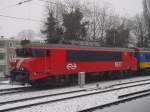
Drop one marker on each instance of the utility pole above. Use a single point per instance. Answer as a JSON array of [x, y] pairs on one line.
[[114, 38], [81, 79]]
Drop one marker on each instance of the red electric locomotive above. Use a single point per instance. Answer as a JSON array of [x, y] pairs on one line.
[[47, 63]]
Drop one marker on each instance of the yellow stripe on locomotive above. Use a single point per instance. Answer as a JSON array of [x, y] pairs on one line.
[[144, 65]]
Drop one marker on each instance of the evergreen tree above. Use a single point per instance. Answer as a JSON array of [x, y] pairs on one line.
[[25, 42], [117, 37], [75, 30], [53, 31], [111, 36], [146, 13]]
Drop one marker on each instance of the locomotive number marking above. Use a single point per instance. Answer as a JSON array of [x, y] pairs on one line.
[[118, 64], [71, 66]]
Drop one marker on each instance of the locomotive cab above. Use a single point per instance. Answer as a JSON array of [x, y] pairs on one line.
[[29, 63]]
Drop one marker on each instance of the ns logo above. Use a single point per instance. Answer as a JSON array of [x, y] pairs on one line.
[[71, 66]]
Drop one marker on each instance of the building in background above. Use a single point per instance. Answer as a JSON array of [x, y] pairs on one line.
[[37, 41], [7, 53]]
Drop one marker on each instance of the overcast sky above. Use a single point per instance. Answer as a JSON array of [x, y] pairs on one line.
[[36, 8]]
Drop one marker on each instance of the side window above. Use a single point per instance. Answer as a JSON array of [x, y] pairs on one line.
[[2, 68], [77, 56], [40, 52], [2, 56], [2, 44], [11, 44]]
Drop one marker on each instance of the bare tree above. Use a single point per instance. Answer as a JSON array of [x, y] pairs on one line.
[[26, 34], [97, 18], [146, 12], [100, 17], [100, 21], [139, 29]]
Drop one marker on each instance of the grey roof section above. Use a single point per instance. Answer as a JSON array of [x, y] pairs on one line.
[[143, 49], [75, 46]]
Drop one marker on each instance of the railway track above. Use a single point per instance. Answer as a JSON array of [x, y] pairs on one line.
[[38, 97], [10, 89], [15, 90], [123, 84], [58, 97], [30, 89], [122, 99]]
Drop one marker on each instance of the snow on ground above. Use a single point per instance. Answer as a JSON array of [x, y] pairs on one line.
[[46, 99], [73, 105], [5, 82], [82, 103], [102, 85], [36, 93], [107, 84], [77, 104], [5, 86]]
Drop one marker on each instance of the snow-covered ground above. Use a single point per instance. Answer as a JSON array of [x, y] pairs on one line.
[[137, 105], [78, 104], [74, 104], [102, 86], [5, 82], [6, 85]]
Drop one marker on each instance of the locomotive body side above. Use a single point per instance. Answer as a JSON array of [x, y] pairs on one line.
[[52, 63], [72, 61]]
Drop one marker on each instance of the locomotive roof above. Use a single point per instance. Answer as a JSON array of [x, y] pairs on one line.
[[143, 49], [75, 46]]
